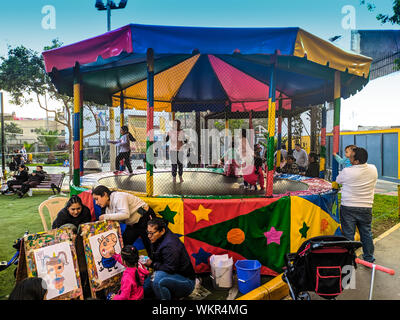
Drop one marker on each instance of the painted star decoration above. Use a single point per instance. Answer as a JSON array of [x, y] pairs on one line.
[[304, 230], [168, 214], [201, 256], [201, 213], [273, 236]]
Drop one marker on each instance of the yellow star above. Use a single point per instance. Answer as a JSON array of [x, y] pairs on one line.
[[201, 213]]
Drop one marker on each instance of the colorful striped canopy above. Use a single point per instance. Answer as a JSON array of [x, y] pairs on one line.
[[199, 69]]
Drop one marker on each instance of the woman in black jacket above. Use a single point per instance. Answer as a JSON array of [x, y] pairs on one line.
[[75, 212]]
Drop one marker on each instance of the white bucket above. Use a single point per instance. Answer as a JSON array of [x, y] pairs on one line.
[[221, 271]]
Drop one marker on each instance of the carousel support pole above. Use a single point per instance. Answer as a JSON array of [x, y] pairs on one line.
[[336, 124], [150, 123], [122, 110], [289, 134], [81, 132], [279, 146], [198, 130], [112, 137], [76, 123], [271, 134], [322, 153]]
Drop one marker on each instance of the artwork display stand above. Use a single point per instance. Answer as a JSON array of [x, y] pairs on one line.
[[94, 229], [46, 243]]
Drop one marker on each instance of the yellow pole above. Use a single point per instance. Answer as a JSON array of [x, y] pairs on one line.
[[112, 137]]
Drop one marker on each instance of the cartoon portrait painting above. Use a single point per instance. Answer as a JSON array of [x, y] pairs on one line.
[[104, 246], [55, 265]]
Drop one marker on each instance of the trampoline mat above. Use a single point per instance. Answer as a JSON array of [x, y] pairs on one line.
[[196, 184]]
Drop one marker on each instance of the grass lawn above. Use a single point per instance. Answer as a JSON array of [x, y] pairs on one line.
[[19, 215], [16, 217]]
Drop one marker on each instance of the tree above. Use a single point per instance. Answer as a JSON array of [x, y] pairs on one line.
[[22, 74], [48, 137], [12, 129]]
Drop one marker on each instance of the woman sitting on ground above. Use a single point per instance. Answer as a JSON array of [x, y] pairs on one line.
[[75, 212]]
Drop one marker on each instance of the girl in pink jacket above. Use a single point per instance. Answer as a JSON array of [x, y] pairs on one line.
[[133, 278]]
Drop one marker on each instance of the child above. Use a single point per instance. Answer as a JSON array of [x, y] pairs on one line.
[[133, 278], [256, 175], [124, 149], [33, 288], [345, 162]]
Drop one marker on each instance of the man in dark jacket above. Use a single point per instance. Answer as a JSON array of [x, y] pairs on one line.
[[19, 179], [36, 177], [173, 276]]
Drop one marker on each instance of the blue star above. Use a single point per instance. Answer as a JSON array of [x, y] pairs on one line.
[[201, 256]]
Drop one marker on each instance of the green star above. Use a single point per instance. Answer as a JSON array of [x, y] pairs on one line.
[[304, 230], [168, 214]]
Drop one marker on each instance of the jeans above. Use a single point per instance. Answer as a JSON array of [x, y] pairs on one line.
[[352, 217], [166, 286], [127, 160], [176, 163]]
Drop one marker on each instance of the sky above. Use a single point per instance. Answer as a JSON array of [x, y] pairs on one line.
[[26, 21]]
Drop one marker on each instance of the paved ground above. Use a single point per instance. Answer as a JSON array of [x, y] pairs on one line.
[[386, 287], [386, 187]]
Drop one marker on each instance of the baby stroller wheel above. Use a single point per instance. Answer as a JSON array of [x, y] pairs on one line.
[[303, 296]]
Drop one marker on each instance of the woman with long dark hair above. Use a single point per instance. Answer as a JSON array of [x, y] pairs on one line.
[[74, 212], [124, 152], [128, 209]]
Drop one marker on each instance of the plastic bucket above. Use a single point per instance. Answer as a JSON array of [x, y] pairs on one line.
[[248, 274], [221, 275]]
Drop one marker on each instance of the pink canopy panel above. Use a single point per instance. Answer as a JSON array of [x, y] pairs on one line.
[[239, 86]]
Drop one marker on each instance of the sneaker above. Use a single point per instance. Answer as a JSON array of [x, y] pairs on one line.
[[30, 192]]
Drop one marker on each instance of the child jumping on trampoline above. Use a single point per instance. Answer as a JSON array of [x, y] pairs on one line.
[[124, 148]]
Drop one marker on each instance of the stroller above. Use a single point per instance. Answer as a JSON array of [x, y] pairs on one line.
[[318, 266]]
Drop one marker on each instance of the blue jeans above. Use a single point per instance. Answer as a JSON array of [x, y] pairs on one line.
[[166, 286], [350, 217]]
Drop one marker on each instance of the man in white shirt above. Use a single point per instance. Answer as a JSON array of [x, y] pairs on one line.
[[358, 185], [301, 157]]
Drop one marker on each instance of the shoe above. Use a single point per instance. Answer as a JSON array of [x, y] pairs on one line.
[[20, 194], [180, 179], [116, 172], [30, 192]]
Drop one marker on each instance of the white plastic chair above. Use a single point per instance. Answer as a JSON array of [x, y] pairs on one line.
[[53, 205]]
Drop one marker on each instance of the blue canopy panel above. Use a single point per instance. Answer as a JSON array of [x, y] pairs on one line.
[[179, 40], [201, 90]]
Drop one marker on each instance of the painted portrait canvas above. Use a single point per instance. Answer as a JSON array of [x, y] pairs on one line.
[[104, 245], [56, 267]]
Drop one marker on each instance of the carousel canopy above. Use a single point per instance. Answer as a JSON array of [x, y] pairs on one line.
[[199, 69]]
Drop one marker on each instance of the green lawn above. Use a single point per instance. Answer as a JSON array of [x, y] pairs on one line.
[[16, 217], [19, 215]]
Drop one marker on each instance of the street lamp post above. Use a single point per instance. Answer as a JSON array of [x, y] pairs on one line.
[[110, 5]]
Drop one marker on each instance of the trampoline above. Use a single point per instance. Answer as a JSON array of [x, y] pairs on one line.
[[197, 183]]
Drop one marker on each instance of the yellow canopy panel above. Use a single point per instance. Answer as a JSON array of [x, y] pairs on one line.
[[166, 85], [322, 52]]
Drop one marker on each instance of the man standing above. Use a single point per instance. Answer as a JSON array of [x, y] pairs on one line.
[[358, 184], [301, 157]]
